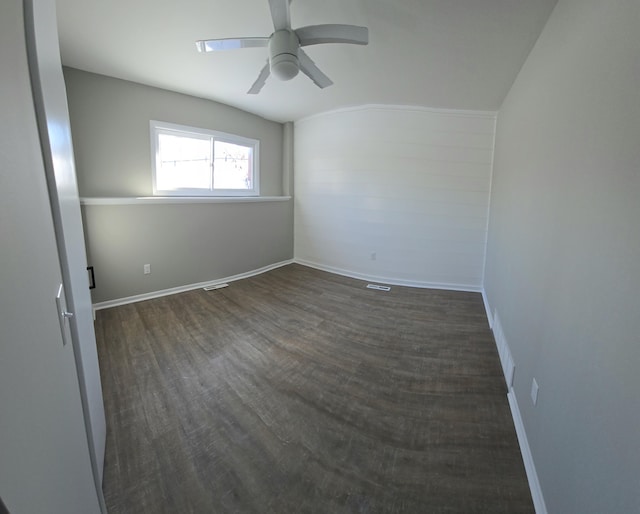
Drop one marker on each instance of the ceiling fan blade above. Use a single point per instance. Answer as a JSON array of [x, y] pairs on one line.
[[260, 81], [333, 33], [214, 45], [310, 69], [280, 14]]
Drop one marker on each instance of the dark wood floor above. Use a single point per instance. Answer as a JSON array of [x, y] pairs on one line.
[[298, 391]]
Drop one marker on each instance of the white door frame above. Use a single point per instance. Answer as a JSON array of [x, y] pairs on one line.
[[52, 114]]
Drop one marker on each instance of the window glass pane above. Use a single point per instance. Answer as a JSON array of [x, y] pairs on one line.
[[191, 161], [232, 166], [184, 163]]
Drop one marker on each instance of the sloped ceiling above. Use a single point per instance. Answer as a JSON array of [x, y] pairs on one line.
[[455, 54]]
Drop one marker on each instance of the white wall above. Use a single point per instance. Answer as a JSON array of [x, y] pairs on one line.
[[563, 260], [408, 184]]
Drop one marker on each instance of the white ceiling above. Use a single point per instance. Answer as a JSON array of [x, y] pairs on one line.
[[455, 54]]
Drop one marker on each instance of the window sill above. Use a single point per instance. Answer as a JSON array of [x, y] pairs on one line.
[[155, 200]]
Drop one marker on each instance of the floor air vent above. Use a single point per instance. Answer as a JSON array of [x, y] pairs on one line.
[[378, 287], [217, 286]]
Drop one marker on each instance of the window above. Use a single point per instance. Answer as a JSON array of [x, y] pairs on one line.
[[188, 161]]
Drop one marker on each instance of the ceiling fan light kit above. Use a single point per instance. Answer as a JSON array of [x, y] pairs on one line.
[[283, 54], [286, 57]]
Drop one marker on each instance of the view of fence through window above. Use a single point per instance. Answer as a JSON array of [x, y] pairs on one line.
[[186, 163], [231, 166]]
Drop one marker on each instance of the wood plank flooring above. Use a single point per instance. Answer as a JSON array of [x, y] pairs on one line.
[[299, 391]]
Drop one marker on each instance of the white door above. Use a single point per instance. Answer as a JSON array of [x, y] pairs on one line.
[[45, 464], [55, 133]]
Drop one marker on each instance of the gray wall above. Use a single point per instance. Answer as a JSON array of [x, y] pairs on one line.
[[563, 260], [184, 243], [44, 455], [110, 123]]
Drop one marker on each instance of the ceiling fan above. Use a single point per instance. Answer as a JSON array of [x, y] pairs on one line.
[[286, 56]]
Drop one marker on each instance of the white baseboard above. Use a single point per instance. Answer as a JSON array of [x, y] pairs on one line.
[[487, 308], [188, 287], [525, 450], [388, 280], [504, 352], [508, 368]]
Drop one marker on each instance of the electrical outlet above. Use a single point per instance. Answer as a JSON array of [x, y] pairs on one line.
[[147, 269], [534, 391]]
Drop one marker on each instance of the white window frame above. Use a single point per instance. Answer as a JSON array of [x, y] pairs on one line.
[[160, 127]]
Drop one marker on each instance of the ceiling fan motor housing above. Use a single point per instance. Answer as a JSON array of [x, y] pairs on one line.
[[283, 54]]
